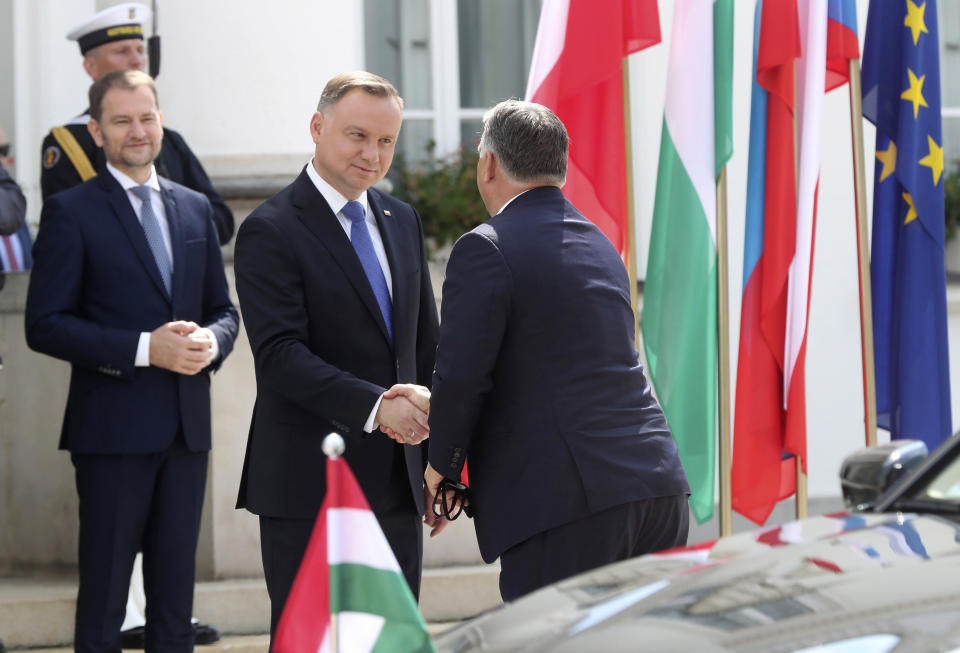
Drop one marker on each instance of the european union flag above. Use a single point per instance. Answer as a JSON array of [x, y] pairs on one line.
[[901, 96]]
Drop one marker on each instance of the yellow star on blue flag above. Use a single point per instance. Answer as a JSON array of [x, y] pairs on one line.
[[901, 96]]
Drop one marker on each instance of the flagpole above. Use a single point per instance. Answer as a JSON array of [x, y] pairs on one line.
[[631, 227], [800, 493], [333, 446], [723, 360], [334, 635], [863, 244]]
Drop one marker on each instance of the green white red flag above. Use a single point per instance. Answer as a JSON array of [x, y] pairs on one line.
[[680, 293], [349, 594]]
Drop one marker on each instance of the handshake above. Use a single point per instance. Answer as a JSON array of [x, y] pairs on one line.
[[403, 413]]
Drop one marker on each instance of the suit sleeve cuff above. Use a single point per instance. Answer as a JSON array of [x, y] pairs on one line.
[[143, 351]]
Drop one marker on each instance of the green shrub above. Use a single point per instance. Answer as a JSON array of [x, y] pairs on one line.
[[444, 192]]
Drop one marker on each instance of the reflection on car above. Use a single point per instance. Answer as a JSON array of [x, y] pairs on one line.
[[881, 576]]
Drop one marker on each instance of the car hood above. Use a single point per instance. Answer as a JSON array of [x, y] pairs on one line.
[[837, 583]]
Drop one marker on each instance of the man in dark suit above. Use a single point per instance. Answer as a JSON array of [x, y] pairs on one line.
[[112, 40], [13, 211], [128, 286], [14, 235], [337, 301], [537, 381], [13, 205]]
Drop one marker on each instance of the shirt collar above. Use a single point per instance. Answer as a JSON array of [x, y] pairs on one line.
[[127, 183], [502, 208], [331, 194]]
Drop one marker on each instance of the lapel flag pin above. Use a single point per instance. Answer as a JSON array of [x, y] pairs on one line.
[[386, 212]]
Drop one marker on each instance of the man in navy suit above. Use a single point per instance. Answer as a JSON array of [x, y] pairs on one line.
[[128, 286], [14, 234], [336, 297], [537, 380]]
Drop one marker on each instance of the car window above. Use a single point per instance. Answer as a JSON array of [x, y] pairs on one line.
[[945, 486]]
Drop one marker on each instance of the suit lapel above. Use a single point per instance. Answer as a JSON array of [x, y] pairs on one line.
[[123, 210], [317, 216], [397, 259], [175, 222]]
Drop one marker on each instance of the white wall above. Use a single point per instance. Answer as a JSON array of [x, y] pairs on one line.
[[49, 85], [241, 78]]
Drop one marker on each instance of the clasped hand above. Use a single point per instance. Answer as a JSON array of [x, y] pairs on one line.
[[403, 413], [182, 347]]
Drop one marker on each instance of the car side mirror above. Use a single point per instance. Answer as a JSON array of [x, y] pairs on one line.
[[866, 474]]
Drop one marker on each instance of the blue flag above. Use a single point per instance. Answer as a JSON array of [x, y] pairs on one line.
[[901, 96]]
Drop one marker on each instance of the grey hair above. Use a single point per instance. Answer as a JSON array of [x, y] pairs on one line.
[[343, 83], [528, 139]]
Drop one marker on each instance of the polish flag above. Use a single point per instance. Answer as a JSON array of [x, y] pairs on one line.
[[577, 71]]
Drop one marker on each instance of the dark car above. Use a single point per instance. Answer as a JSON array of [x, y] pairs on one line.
[[884, 576]]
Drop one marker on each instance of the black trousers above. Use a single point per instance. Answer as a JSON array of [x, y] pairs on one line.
[[618, 533], [128, 503], [284, 541]]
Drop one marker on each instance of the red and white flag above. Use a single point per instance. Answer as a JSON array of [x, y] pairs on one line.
[[577, 71]]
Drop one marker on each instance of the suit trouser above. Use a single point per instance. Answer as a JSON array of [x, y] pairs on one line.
[[284, 541], [624, 531], [148, 502]]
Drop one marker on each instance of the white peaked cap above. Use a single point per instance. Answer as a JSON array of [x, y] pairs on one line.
[[123, 21]]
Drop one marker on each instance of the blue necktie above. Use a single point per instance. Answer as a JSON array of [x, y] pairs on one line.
[[151, 228], [360, 237]]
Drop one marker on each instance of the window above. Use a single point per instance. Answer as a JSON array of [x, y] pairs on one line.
[[949, 26], [450, 61]]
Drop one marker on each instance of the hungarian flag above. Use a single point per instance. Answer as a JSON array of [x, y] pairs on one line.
[[577, 71], [349, 594], [680, 293], [800, 46]]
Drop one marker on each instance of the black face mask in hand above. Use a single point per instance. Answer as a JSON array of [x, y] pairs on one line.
[[452, 498]]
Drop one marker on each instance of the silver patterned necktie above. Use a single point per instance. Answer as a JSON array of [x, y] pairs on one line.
[[151, 228]]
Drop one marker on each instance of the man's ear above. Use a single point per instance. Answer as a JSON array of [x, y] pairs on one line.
[[94, 128], [90, 65], [492, 170], [316, 126]]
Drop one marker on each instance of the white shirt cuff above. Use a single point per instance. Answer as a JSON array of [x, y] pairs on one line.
[[371, 422], [143, 351], [214, 345]]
